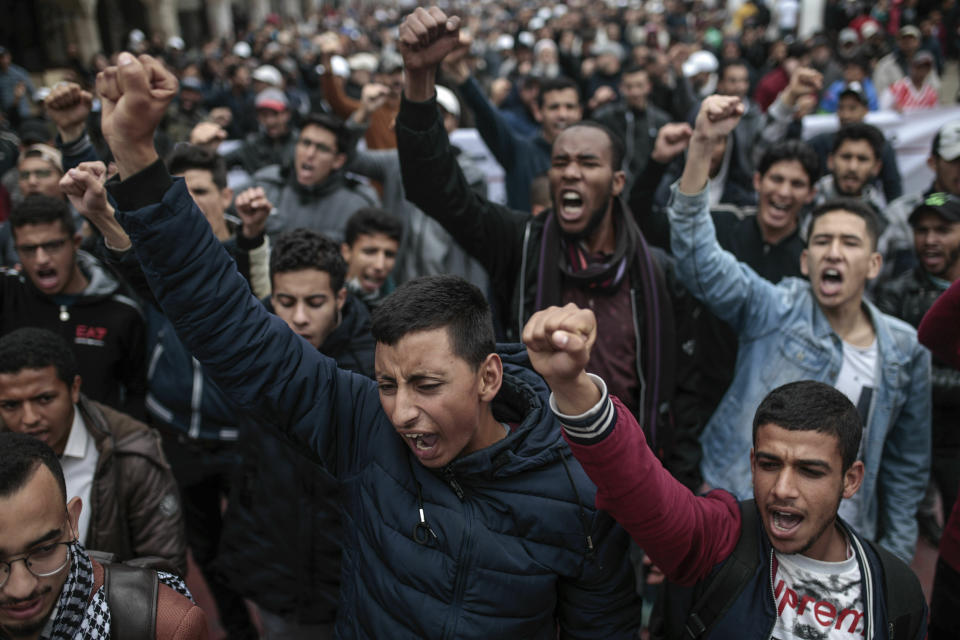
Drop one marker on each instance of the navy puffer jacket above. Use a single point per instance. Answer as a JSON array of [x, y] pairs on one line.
[[519, 549]]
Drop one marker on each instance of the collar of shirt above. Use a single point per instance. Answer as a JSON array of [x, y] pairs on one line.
[[79, 440]]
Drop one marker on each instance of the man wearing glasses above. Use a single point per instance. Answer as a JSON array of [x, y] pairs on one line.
[[311, 191], [69, 292], [49, 585]]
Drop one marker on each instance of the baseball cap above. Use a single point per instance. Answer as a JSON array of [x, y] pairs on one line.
[[869, 28], [849, 36], [946, 143], [271, 99], [448, 101], [909, 30], [921, 57], [242, 49], [267, 74], [855, 89], [945, 205], [700, 62]]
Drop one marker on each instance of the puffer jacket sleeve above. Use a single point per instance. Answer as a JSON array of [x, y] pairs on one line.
[[252, 355]]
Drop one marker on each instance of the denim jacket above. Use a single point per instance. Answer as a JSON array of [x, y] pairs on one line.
[[785, 337]]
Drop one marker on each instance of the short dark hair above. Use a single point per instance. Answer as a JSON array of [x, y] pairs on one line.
[[185, 157], [334, 125], [370, 220], [35, 348], [634, 68], [40, 209], [436, 302], [617, 150], [301, 249], [808, 405], [791, 150], [859, 60], [860, 131], [20, 456], [560, 83], [729, 64], [850, 205]]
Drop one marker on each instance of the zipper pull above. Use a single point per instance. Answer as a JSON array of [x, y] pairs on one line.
[[64, 314], [452, 481]]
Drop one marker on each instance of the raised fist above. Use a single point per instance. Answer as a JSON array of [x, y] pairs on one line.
[[253, 208], [804, 81], [134, 94], [68, 106], [83, 185], [208, 135], [558, 341], [672, 139], [426, 36], [718, 116], [373, 95]]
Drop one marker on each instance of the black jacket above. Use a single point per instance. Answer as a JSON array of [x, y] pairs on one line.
[[908, 297], [282, 535], [104, 325], [508, 244]]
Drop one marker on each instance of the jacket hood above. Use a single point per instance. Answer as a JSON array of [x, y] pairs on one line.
[[534, 441]]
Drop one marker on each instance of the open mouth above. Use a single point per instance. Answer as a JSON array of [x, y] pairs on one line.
[[47, 278], [785, 522], [830, 281], [423, 444], [571, 205], [24, 610]]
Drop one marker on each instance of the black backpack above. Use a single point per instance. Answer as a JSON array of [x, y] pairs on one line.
[[690, 613]]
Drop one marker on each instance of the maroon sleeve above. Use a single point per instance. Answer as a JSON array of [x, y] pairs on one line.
[[940, 329], [684, 535]]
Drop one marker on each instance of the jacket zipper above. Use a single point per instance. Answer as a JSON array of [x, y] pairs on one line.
[[466, 549], [773, 596]]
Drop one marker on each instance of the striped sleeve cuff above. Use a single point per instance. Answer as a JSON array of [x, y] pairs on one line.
[[593, 425]]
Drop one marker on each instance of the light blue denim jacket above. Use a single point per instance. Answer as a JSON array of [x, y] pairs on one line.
[[784, 337]]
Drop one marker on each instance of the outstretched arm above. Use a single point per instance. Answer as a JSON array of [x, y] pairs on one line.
[[685, 535], [252, 355]]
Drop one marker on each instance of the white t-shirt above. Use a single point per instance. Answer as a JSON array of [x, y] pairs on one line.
[[79, 462], [817, 599], [857, 381]]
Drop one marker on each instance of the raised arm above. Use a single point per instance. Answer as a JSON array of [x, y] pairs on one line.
[[685, 535], [252, 355], [432, 178], [68, 106], [732, 290]]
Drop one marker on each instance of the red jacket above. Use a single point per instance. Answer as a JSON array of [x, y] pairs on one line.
[[685, 535]]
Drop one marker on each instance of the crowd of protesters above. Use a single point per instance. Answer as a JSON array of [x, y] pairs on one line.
[[714, 307]]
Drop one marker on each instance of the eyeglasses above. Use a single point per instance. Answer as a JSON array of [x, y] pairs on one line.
[[42, 562], [41, 174], [319, 146], [53, 246]]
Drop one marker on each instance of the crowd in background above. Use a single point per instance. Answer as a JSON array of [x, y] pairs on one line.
[[287, 137]]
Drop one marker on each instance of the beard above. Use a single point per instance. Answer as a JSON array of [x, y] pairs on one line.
[[31, 627], [952, 257]]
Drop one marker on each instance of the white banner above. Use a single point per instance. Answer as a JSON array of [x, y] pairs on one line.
[[911, 135]]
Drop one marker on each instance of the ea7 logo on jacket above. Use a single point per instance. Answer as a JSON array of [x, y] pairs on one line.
[[91, 336]]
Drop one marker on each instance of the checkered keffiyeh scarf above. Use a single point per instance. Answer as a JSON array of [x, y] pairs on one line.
[[80, 619]]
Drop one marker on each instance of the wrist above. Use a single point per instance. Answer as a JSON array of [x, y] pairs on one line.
[[420, 85], [575, 396], [252, 231], [71, 133], [133, 159]]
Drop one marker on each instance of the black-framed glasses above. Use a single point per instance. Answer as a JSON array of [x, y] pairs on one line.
[[53, 246], [42, 562]]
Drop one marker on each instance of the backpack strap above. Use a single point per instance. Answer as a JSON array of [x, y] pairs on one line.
[[717, 593], [132, 597], [906, 604]]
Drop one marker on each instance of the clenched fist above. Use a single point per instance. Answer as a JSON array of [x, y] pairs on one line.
[[68, 107], [134, 94], [559, 340]]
